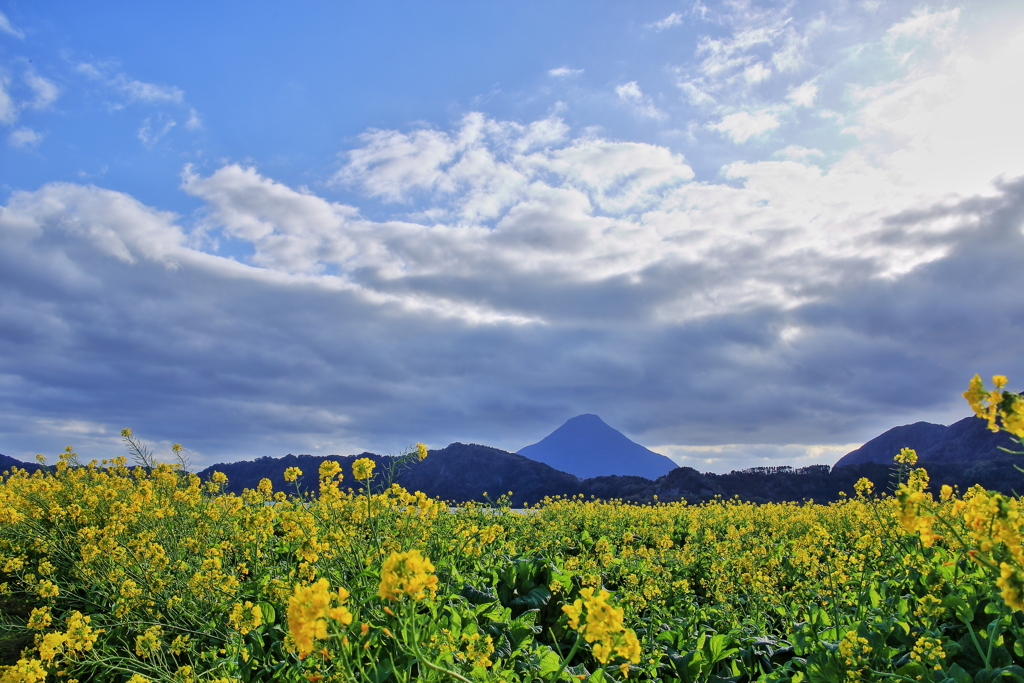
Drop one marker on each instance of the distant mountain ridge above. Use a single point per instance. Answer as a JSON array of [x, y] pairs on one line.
[[7, 462], [962, 454], [966, 441], [587, 447]]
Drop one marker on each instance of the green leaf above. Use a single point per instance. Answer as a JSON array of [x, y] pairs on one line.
[[960, 608], [549, 662], [824, 669], [536, 598], [957, 673], [268, 612], [578, 672], [477, 596], [718, 648]]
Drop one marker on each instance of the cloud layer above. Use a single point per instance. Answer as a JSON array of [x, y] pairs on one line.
[[847, 268]]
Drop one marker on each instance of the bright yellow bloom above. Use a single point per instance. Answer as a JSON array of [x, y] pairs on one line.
[[245, 618], [148, 644], [421, 451], [329, 468], [40, 618], [906, 456], [292, 473], [407, 574], [929, 652], [25, 671], [363, 468], [1011, 581], [479, 650], [864, 487], [309, 607], [80, 636], [601, 625]]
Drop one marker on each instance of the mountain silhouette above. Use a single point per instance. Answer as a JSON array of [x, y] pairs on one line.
[[966, 441], [587, 447]]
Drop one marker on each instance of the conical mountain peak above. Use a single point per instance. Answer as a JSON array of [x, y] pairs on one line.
[[588, 447]]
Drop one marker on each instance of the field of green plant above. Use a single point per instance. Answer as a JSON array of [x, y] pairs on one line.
[[111, 573]]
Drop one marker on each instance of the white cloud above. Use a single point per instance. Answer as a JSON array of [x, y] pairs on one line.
[[194, 122], [674, 19], [723, 458], [564, 71], [803, 95], [150, 93], [135, 91], [642, 104], [46, 91], [757, 73], [926, 25], [951, 122], [8, 110], [798, 153], [743, 125], [8, 28], [152, 130], [24, 138]]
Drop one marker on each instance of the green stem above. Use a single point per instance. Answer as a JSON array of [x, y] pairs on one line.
[[983, 653], [568, 658]]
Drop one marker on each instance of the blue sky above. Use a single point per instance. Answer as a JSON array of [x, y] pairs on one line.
[[742, 233]]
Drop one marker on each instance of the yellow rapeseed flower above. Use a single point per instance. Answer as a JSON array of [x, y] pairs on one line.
[[363, 468], [407, 574], [601, 625], [309, 607], [292, 473], [245, 617], [329, 468]]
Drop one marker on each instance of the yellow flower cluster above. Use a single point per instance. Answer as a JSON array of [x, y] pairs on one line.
[[25, 671], [149, 642], [363, 468], [928, 651], [478, 649], [408, 574], [855, 653], [601, 625], [915, 504], [997, 405], [309, 607], [245, 617], [292, 473]]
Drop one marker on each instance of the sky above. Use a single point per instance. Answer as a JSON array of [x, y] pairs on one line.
[[743, 233]]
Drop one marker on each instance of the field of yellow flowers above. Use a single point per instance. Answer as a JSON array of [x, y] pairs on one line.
[[145, 573]]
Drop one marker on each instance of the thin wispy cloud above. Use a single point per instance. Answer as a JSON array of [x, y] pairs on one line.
[[134, 91], [674, 19], [643, 105], [564, 72], [8, 109], [8, 28], [46, 91], [741, 126], [24, 138]]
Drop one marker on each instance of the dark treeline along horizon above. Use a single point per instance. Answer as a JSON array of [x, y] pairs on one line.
[[961, 455]]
